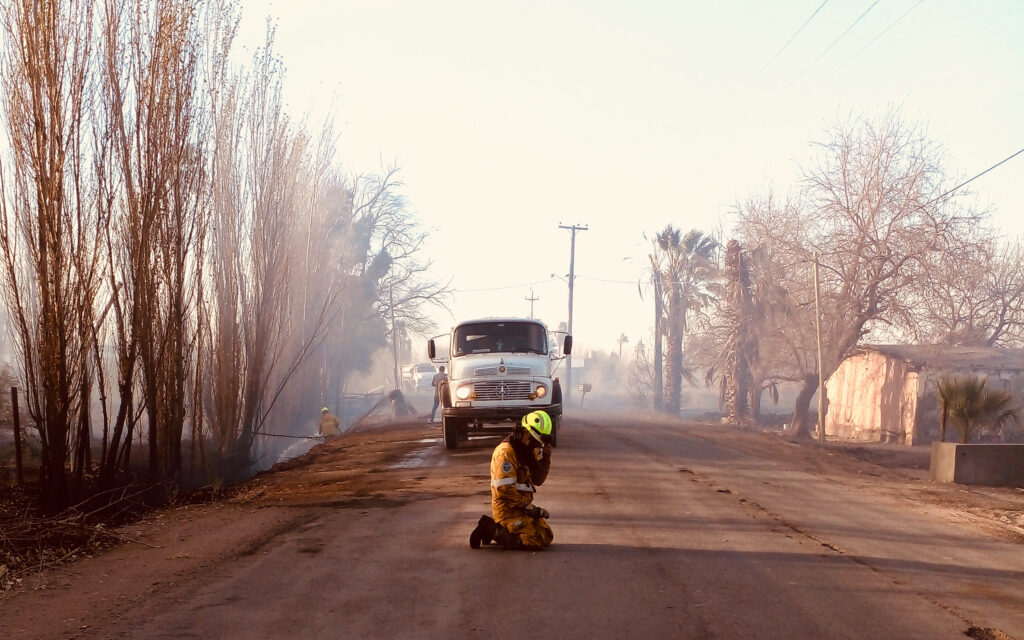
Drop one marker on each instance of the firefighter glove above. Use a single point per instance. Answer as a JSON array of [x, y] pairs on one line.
[[534, 511]]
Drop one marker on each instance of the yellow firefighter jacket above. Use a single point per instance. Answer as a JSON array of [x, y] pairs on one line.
[[513, 481], [329, 425]]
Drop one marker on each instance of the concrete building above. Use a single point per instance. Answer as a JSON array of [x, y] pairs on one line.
[[887, 393]]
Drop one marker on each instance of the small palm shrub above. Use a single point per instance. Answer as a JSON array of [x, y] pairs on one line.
[[970, 405]]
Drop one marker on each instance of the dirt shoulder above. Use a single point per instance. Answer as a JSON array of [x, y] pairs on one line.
[[178, 545]]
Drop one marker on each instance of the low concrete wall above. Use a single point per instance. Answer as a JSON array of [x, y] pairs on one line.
[[992, 465]]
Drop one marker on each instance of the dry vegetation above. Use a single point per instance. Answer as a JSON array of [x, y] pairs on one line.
[[175, 248], [903, 257]]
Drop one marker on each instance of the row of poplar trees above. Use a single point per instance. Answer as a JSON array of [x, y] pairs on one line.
[[173, 246]]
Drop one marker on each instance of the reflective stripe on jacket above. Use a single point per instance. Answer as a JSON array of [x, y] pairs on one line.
[[512, 482]]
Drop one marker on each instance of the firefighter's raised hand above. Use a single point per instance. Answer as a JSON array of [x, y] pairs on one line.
[[545, 452]]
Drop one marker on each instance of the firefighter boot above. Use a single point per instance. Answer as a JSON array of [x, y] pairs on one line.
[[505, 538], [483, 533]]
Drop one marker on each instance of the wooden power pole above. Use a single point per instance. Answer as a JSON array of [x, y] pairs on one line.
[[572, 276], [532, 299], [821, 370]]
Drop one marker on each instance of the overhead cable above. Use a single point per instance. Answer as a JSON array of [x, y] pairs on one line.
[[836, 41], [509, 286], [967, 182], [873, 40], [795, 34]]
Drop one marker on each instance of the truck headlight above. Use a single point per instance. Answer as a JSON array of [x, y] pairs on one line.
[[462, 393], [541, 391]]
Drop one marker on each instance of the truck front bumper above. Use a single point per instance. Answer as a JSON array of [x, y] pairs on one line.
[[499, 414]]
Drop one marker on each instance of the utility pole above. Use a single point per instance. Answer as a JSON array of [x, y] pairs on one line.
[[572, 276], [821, 372], [532, 300], [394, 334]]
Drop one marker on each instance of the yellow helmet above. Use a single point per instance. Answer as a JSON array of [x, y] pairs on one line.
[[324, 410], [538, 425]]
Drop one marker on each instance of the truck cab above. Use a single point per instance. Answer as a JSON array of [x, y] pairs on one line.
[[499, 370]]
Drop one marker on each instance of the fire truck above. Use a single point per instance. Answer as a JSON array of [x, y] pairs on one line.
[[499, 370]]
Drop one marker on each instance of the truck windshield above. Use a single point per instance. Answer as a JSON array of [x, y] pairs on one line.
[[492, 337]]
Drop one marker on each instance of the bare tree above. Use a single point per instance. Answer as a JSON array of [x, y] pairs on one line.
[[155, 209], [47, 233], [396, 243], [275, 285], [641, 375], [870, 208], [256, 171], [969, 293]]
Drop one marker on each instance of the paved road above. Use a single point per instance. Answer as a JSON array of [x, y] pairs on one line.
[[661, 531]]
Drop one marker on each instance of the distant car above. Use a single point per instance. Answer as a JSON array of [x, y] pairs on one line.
[[422, 376]]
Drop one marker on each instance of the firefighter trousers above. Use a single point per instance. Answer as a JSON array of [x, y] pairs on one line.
[[530, 533]]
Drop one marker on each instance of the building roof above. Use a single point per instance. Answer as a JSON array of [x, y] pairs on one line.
[[947, 357]]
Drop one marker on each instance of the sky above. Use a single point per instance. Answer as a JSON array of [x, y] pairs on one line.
[[509, 119]]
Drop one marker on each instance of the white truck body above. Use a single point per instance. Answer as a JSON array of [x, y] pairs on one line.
[[499, 369]]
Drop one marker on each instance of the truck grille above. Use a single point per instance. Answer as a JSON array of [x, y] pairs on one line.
[[493, 371], [511, 390]]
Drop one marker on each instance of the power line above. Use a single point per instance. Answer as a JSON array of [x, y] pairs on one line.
[[967, 182], [641, 280], [607, 280], [834, 42], [795, 34], [873, 40], [509, 286]]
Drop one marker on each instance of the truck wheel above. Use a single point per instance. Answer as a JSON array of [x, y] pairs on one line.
[[554, 431], [450, 430]]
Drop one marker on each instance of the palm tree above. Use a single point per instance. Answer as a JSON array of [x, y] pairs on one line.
[[623, 339], [970, 406], [734, 365], [687, 266], [657, 279]]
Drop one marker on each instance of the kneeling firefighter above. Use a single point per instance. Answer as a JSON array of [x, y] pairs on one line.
[[519, 463]]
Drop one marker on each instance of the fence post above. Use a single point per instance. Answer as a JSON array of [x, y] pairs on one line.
[[17, 434]]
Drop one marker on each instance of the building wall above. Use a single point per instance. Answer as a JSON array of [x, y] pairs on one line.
[[872, 398]]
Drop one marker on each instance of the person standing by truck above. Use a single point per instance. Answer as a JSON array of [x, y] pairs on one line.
[[519, 464], [439, 377]]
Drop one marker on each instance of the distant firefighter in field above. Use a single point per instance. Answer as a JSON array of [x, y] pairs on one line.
[[329, 423], [519, 463]]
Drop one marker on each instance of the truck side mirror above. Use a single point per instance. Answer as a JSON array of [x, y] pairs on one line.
[[431, 349], [567, 345]]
